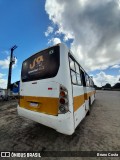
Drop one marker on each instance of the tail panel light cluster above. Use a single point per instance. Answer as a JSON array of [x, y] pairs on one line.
[[63, 100]]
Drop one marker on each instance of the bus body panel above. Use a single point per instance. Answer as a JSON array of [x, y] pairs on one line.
[[83, 106], [43, 89], [89, 96], [79, 104], [42, 98], [61, 123]]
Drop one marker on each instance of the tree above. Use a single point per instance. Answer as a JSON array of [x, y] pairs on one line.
[[117, 86], [107, 86]]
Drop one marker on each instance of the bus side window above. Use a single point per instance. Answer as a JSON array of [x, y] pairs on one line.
[[83, 78], [72, 64], [79, 79], [91, 83], [78, 74], [87, 80], [73, 74]]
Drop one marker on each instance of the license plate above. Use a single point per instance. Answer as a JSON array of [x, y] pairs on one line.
[[34, 104]]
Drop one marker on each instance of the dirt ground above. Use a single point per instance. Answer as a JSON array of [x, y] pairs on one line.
[[100, 131]]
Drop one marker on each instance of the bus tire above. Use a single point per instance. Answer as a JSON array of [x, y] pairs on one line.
[[88, 112], [89, 102]]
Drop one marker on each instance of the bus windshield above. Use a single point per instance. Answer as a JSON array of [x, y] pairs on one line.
[[42, 65]]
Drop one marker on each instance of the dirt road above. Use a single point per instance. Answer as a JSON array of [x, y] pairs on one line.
[[100, 131]]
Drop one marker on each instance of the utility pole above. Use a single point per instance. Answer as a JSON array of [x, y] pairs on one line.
[[12, 61]]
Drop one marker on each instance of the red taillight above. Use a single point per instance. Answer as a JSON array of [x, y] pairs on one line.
[[62, 93], [62, 100]]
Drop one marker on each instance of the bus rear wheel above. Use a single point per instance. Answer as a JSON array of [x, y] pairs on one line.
[[88, 112]]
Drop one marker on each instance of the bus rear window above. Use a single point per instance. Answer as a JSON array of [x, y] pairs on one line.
[[42, 65]]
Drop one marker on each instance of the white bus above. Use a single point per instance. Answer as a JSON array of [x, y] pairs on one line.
[[55, 90]]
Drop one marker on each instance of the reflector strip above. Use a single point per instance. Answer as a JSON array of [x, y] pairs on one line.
[[49, 88]]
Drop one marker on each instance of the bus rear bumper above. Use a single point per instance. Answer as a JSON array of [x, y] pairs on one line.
[[62, 123]]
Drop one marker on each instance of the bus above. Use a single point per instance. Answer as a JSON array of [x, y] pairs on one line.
[[14, 88], [55, 90]]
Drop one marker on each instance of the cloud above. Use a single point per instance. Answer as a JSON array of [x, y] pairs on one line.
[[49, 30], [1, 75], [3, 82], [102, 78], [6, 52], [54, 41], [94, 27], [4, 64], [116, 66]]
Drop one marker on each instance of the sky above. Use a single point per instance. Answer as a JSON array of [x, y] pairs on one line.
[[90, 28]]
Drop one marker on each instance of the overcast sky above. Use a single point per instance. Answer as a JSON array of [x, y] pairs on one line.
[[90, 28]]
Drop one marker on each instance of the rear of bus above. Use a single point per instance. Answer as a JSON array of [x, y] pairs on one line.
[[46, 91]]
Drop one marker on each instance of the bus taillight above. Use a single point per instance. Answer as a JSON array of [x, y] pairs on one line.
[[63, 93], [63, 100]]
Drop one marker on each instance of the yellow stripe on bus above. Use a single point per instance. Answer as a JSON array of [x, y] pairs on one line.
[[87, 95], [46, 105], [49, 105], [80, 100]]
